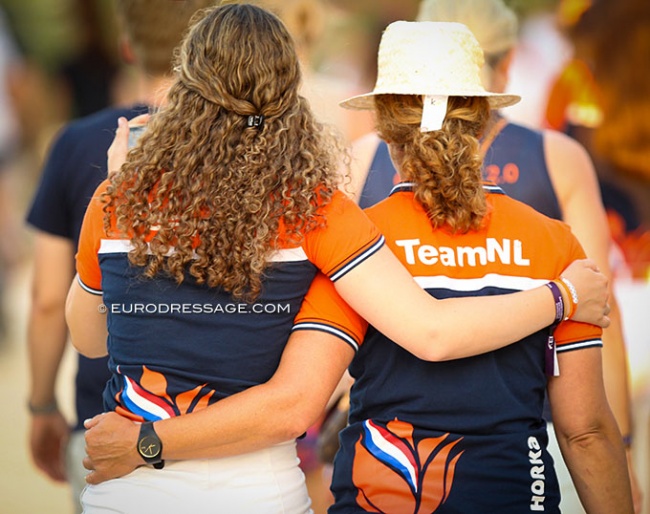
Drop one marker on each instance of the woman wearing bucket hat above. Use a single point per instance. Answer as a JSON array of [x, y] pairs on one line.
[[465, 435], [544, 169], [200, 250]]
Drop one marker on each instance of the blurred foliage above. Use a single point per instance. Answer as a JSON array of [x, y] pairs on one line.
[[49, 32], [45, 30], [525, 8]]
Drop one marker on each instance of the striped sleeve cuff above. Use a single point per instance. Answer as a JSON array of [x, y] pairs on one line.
[[579, 345], [88, 289], [323, 327], [354, 262]]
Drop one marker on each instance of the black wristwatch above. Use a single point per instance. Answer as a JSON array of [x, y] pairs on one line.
[[150, 446]]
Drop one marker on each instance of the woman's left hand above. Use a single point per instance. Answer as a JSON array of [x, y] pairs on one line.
[[111, 442]]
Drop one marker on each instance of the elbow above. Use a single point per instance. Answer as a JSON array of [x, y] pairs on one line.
[[585, 437], [299, 422], [435, 348], [89, 353], [294, 415], [90, 345], [44, 307], [434, 355], [294, 432], [289, 429], [584, 442]]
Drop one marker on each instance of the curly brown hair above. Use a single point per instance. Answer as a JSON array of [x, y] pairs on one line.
[[445, 165], [205, 193]]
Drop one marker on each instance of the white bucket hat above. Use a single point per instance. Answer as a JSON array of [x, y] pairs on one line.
[[433, 59]]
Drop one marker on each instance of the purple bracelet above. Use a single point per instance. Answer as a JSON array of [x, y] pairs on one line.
[[559, 302], [550, 354]]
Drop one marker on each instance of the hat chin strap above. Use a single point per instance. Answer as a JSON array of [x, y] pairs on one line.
[[434, 110]]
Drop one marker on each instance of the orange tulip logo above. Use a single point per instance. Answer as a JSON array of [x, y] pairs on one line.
[[395, 475], [149, 400]]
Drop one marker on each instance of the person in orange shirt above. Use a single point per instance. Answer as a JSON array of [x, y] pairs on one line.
[[601, 100], [463, 435], [545, 169]]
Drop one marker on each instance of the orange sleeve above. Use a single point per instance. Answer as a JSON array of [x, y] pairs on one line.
[[323, 309], [572, 334], [90, 238], [348, 238]]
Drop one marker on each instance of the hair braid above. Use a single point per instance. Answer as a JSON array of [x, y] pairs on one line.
[[445, 165]]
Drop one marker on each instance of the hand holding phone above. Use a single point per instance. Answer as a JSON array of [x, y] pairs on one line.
[[134, 134]]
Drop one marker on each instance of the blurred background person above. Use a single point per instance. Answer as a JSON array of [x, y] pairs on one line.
[[602, 98], [76, 164], [11, 247], [540, 53], [72, 62]]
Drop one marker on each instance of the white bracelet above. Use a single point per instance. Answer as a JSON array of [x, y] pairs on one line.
[[572, 290]]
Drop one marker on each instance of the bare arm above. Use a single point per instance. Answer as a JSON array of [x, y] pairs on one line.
[[454, 328], [46, 341], [280, 410], [587, 434], [575, 182], [86, 317]]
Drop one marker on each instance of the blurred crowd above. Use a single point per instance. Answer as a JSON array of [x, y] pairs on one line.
[[581, 67]]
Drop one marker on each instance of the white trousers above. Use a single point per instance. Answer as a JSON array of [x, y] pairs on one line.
[[268, 481]]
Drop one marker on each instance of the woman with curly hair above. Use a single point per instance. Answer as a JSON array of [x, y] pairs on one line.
[[194, 260]]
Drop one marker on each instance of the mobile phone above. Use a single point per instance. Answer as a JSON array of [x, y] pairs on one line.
[[135, 133]]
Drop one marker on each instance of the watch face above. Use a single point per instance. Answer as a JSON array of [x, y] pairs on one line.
[[149, 447]]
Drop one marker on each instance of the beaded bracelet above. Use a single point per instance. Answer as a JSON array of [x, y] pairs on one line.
[[572, 289]]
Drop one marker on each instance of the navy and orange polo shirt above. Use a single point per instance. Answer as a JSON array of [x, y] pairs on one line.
[[175, 348]]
